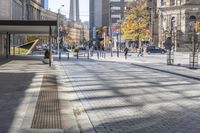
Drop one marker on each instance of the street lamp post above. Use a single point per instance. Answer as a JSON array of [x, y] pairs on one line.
[[58, 32], [110, 27], [120, 37]]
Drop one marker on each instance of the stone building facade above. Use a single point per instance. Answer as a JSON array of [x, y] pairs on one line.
[[18, 10], [153, 21], [176, 20]]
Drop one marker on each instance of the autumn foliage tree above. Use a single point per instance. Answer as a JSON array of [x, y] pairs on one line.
[[136, 23]]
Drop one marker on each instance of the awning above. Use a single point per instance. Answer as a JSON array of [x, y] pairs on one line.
[[27, 26]]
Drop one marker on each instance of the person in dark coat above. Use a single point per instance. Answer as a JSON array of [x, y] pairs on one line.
[[126, 52]]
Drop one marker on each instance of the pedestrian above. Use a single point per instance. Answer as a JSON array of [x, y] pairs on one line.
[[140, 52], [126, 52]]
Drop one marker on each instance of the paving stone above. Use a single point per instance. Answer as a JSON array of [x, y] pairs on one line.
[[135, 99]]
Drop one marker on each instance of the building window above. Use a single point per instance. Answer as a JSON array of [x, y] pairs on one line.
[[172, 2], [162, 2], [192, 21]]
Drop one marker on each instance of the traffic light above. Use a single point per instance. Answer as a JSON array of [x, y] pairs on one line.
[[197, 26]]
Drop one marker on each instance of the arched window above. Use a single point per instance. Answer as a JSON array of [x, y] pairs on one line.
[[192, 21], [172, 2], [173, 23]]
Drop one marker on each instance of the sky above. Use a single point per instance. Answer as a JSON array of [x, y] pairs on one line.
[[54, 5]]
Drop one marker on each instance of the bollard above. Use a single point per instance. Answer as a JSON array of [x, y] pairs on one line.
[[68, 55], [77, 55], [125, 57], [104, 55], [97, 54], [88, 55], [59, 56]]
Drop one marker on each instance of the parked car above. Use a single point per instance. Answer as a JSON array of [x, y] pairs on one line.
[[155, 49], [82, 48], [65, 49]]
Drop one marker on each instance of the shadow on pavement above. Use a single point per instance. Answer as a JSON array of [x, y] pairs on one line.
[[166, 122], [12, 93], [124, 98]]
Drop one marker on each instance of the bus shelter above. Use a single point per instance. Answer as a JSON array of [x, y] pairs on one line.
[[45, 27]]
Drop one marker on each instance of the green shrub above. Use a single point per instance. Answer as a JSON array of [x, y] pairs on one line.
[[76, 50]]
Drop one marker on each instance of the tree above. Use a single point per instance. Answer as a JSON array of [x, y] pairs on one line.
[[136, 24]]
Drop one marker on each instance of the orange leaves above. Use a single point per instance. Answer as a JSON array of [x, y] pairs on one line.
[[136, 21]]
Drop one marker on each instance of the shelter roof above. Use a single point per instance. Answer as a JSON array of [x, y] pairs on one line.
[[27, 26]]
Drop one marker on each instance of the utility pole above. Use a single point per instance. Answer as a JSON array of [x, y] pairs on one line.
[[110, 27], [58, 32], [110, 30]]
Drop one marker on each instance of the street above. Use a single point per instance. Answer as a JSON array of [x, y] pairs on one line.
[[120, 97]]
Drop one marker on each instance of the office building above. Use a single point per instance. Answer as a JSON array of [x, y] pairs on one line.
[[102, 10], [74, 10], [45, 4]]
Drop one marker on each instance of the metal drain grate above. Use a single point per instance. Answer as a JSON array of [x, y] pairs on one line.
[[47, 111]]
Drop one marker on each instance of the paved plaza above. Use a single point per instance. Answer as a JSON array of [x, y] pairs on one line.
[[111, 95], [124, 97], [34, 98]]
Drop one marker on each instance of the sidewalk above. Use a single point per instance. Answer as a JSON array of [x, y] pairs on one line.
[[157, 64], [35, 98]]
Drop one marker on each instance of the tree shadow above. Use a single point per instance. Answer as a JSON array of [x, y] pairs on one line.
[[124, 98], [167, 121]]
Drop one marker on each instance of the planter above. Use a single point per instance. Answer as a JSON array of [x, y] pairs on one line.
[[46, 60]]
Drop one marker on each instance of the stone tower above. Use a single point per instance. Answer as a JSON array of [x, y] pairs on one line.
[[74, 10]]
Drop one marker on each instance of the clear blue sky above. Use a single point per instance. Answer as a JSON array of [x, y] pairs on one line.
[[84, 8]]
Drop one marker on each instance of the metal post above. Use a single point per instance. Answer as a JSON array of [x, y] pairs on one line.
[[7, 43], [58, 34], [98, 54], [13, 44], [117, 45], [110, 26], [88, 56], [120, 30], [111, 52], [194, 50], [50, 54]]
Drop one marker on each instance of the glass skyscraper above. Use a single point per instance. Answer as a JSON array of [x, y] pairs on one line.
[[45, 4]]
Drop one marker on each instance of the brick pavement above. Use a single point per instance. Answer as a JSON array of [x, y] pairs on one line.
[[123, 98], [21, 81]]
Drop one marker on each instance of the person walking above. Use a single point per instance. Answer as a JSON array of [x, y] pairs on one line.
[[141, 51], [126, 52]]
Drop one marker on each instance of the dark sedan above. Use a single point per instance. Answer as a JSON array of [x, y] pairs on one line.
[[154, 49]]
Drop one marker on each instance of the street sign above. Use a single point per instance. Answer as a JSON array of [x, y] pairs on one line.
[[94, 32]]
